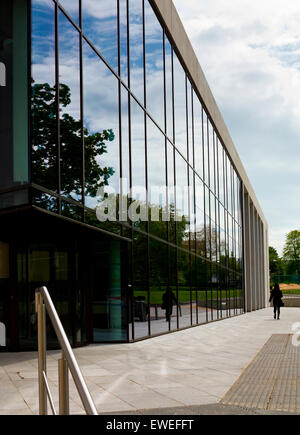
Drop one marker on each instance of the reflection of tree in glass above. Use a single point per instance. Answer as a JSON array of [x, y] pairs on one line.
[[44, 151]]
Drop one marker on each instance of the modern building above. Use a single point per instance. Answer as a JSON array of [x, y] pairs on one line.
[[120, 187]]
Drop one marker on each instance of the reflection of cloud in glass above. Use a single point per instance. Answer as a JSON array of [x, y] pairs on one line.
[[101, 110], [99, 24]]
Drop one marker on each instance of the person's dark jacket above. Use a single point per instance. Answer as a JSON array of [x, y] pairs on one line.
[[276, 296]]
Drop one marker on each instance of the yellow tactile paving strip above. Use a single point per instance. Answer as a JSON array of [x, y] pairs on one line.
[[272, 380]]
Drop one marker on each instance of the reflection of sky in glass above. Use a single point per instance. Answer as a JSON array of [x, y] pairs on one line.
[[190, 122], [69, 64], [69, 75], [198, 139], [180, 107], [100, 25], [181, 183], [136, 49], [156, 163], [154, 65], [43, 43], [138, 148], [101, 112], [211, 156], [123, 41], [169, 85], [72, 8]]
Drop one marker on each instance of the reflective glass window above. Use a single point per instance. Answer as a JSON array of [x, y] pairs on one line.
[[169, 89], [173, 275], [71, 165], [171, 192], [190, 124], [44, 121], [182, 201], [157, 191], [198, 136], [139, 206], [140, 286], [206, 147], [100, 25], [180, 106], [72, 8], [221, 172], [161, 299], [184, 289], [136, 33], [123, 40], [154, 52], [211, 156], [101, 134]]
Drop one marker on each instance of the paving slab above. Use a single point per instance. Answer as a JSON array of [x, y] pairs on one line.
[[190, 368]]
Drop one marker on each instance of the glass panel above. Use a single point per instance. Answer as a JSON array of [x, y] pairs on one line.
[[123, 41], [201, 267], [184, 289], [156, 181], [171, 192], [221, 172], [138, 209], [100, 25], [161, 300], [13, 93], [205, 148], [154, 66], [136, 48], [71, 165], [173, 272], [109, 297], [125, 155], [198, 136], [194, 290], [211, 156], [101, 135], [72, 8], [44, 122], [169, 89], [180, 107], [192, 210], [56, 267], [140, 286], [190, 124], [182, 202]]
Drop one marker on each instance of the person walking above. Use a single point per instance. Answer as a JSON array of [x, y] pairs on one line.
[[276, 297], [168, 299]]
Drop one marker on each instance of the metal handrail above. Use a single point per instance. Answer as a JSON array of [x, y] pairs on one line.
[[44, 303]]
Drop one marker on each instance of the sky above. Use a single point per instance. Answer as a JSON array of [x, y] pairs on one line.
[[249, 51]]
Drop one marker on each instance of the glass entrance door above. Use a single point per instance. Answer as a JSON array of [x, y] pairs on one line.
[[56, 267], [109, 291]]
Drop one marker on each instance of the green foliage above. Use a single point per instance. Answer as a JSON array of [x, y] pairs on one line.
[[45, 149], [291, 252]]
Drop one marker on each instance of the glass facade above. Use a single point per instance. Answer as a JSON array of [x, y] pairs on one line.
[[114, 114]]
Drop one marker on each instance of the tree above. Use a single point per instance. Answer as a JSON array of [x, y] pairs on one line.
[[45, 150], [275, 264], [291, 252]]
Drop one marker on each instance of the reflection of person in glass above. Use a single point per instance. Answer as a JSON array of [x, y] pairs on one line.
[[169, 299]]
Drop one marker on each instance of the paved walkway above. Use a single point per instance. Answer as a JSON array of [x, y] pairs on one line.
[[185, 370]]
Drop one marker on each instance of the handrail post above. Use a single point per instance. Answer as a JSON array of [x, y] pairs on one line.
[[41, 323], [63, 370]]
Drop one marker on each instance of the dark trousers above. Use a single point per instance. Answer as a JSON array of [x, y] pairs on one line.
[[277, 310]]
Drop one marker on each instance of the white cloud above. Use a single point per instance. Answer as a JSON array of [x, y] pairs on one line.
[[249, 51]]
